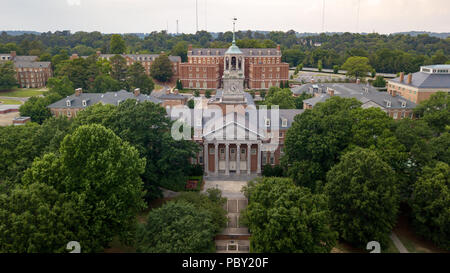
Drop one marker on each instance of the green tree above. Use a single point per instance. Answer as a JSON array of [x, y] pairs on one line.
[[208, 94], [211, 201], [118, 68], [103, 171], [335, 69], [117, 44], [435, 111], [319, 65], [357, 67], [7, 76], [105, 83], [379, 82], [363, 198], [161, 68], [180, 49], [36, 108], [431, 204], [146, 126], [179, 85], [177, 227], [281, 97], [191, 104], [286, 218], [299, 100], [38, 219], [317, 138], [196, 93], [19, 145], [440, 145], [137, 78], [61, 86]]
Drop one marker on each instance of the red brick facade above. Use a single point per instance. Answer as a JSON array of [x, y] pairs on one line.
[[204, 68]]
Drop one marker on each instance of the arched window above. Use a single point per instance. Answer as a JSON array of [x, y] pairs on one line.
[[233, 63]]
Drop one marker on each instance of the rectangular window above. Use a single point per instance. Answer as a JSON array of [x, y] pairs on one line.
[[212, 151], [253, 151]]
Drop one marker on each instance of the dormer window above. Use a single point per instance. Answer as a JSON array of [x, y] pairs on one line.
[[284, 122], [68, 103], [84, 103]]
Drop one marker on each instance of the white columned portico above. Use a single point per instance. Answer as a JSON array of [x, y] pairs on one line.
[[259, 159], [249, 152], [238, 158], [227, 158], [206, 157], [216, 159]]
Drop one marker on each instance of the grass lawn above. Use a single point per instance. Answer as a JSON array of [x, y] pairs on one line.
[[23, 92], [8, 101]]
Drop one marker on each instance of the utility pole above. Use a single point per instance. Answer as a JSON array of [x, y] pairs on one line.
[[177, 26]]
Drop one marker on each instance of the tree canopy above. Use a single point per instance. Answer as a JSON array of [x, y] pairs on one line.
[[285, 218], [177, 227], [7, 76], [161, 68], [431, 204], [363, 198]]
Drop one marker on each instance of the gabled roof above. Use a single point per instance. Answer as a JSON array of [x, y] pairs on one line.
[[361, 92], [113, 98], [426, 80]]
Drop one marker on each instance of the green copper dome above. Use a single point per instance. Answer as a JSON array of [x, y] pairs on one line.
[[233, 49]]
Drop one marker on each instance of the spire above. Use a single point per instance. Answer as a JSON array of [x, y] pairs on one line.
[[234, 30]]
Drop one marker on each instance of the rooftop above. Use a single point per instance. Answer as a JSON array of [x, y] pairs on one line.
[[362, 92], [113, 98]]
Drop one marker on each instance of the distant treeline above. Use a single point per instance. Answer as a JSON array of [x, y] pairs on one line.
[[387, 53]]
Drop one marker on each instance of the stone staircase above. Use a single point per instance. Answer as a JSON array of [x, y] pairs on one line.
[[235, 237]]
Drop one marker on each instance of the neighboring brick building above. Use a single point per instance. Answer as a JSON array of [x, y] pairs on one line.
[[419, 86], [29, 72], [70, 105], [204, 69], [396, 107]]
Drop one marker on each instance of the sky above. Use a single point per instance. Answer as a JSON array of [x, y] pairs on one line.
[[144, 16]]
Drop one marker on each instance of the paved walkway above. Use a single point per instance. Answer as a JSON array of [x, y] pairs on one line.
[[235, 237], [398, 244]]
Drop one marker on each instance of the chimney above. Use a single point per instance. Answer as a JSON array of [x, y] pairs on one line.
[[410, 78], [167, 91], [175, 91], [278, 47], [78, 92], [137, 92], [190, 47], [98, 53], [358, 81], [13, 55], [312, 80], [402, 76]]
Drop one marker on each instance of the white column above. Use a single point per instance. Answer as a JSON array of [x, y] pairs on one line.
[[227, 158], [216, 158], [259, 159], [205, 158], [249, 153], [238, 158]]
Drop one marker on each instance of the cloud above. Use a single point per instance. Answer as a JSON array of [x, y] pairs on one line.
[[73, 2]]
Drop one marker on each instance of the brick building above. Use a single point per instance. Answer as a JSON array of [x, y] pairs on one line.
[[204, 68], [396, 107], [419, 86], [30, 73]]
